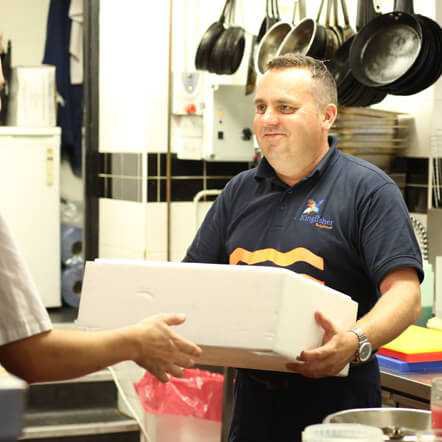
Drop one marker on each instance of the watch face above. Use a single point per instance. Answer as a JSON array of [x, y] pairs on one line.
[[365, 352]]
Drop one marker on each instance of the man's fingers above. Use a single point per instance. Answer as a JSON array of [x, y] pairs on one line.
[[174, 318], [160, 374], [325, 323], [174, 370], [295, 366], [185, 346]]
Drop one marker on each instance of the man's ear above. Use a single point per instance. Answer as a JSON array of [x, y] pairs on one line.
[[329, 116]]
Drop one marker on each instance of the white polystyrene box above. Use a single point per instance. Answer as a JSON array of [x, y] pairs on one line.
[[242, 316], [32, 97]]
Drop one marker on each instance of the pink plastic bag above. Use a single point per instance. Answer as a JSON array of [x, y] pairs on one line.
[[199, 394]]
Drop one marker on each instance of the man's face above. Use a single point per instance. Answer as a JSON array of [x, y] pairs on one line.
[[288, 123]]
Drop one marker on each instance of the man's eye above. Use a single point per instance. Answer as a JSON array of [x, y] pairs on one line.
[[286, 109], [260, 108]]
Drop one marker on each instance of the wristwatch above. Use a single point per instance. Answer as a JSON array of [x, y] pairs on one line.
[[364, 350]]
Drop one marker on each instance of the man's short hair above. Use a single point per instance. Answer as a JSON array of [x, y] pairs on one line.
[[318, 70]]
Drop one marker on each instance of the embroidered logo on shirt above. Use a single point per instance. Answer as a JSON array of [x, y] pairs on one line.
[[311, 215], [312, 207]]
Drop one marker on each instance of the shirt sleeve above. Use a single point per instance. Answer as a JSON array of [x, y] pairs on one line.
[[386, 237], [208, 246], [22, 311]]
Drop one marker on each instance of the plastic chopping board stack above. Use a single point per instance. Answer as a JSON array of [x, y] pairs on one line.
[[417, 349]]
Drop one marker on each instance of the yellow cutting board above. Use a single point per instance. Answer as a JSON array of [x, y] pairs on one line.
[[417, 339]]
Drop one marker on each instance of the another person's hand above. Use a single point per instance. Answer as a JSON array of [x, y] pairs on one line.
[[337, 349], [160, 350]]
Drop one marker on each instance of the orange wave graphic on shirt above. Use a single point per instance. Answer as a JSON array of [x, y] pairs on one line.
[[282, 259]]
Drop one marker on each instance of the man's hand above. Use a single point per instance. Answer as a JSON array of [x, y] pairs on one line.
[[337, 349], [160, 349]]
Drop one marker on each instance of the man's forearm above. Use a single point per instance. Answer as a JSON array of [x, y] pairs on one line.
[[396, 309]]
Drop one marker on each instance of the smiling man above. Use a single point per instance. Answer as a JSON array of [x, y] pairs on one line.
[[332, 217]]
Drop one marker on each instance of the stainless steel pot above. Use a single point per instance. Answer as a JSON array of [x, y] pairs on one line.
[[399, 424], [309, 37], [270, 43], [268, 47]]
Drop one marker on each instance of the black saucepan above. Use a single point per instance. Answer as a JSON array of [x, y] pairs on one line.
[[387, 46], [350, 91], [428, 66], [209, 39], [227, 53]]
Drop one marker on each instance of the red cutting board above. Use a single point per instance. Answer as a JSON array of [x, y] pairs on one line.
[[416, 357], [415, 344]]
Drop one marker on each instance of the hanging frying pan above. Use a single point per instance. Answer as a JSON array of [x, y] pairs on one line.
[[233, 50], [387, 46], [350, 91], [307, 38], [270, 43], [209, 39], [428, 66], [227, 53], [269, 20]]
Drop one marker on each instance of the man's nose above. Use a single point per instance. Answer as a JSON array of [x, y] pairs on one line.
[[270, 116]]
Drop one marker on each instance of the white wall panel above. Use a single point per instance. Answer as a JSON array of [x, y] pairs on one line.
[[186, 218], [122, 228], [24, 23], [134, 72]]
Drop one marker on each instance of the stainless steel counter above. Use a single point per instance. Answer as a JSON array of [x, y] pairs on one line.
[[408, 389]]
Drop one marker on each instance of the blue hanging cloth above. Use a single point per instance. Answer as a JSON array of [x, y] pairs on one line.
[[70, 107]]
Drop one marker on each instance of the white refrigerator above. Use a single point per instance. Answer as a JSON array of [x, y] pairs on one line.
[[30, 201]]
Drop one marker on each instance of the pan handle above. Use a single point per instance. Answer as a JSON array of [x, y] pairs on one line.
[[361, 14], [302, 9], [371, 11], [232, 12], [321, 7], [335, 13], [298, 6], [404, 6], [277, 9], [328, 14], [345, 13], [365, 13], [272, 8], [222, 17]]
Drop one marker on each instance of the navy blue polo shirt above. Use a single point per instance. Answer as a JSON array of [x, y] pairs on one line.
[[346, 224]]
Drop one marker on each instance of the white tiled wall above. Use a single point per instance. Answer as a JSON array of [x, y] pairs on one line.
[[122, 229], [139, 230], [186, 218]]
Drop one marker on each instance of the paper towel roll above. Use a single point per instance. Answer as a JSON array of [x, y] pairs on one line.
[[71, 244], [71, 282]]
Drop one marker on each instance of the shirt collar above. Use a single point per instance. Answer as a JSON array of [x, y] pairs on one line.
[[266, 171]]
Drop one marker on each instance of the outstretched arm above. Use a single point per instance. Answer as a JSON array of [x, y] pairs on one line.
[[63, 354]]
